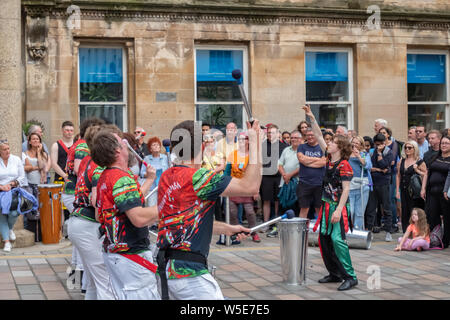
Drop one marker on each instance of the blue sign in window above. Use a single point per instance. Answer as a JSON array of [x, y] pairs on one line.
[[326, 66], [100, 65], [217, 65], [426, 68]]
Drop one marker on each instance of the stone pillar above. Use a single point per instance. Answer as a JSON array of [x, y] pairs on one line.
[[11, 92]]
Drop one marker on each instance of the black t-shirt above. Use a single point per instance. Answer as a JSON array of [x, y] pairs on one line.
[[438, 174]]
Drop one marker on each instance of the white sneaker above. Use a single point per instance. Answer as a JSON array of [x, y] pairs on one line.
[[7, 247], [12, 235], [388, 237]]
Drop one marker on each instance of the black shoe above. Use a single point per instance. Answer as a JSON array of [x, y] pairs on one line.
[[348, 284], [222, 240], [329, 279], [376, 230]]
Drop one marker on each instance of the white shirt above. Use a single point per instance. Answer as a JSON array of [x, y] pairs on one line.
[[13, 171], [289, 161]]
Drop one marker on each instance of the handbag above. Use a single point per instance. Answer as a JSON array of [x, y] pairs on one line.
[[415, 186]]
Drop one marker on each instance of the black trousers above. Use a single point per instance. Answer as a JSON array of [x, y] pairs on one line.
[[436, 207], [407, 205], [379, 195]]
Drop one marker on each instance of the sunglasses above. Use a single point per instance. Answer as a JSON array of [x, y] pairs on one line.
[[409, 148], [3, 141], [136, 132]]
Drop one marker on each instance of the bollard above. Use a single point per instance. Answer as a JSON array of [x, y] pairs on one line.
[[294, 249]]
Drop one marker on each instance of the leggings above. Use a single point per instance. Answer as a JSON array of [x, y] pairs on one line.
[[422, 243], [249, 211]]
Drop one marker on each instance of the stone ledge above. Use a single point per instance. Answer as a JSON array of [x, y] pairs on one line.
[[24, 238]]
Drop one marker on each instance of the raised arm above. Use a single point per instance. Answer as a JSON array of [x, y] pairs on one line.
[[315, 127]]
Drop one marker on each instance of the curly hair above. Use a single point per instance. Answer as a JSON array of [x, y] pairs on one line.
[[153, 140], [422, 223], [344, 146]]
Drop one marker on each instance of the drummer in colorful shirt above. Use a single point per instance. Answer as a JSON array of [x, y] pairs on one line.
[[186, 197], [124, 221], [83, 229], [334, 217]]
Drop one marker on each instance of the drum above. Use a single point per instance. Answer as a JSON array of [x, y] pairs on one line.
[[50, 206]]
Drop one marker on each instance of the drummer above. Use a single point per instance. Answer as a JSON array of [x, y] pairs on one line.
[[83, 228], [76, 153], [124, 220]]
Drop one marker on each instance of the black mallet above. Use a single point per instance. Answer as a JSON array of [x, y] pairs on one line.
[[237, 74]]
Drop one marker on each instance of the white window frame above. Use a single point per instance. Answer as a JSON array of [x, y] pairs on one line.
[[447, 79], [124, 102], [244, 81], [350, 102]]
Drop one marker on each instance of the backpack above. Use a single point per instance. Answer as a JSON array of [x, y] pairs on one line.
[[436, 236]]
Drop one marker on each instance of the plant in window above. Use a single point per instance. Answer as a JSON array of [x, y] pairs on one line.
[[97, 92], [218, 116]]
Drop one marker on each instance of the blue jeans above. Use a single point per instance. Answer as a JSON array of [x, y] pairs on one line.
[[358, 206], [7, 222]]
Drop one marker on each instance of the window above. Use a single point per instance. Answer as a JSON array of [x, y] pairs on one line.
[[329, 86], [217, 97], [102, 91], [427, 88]]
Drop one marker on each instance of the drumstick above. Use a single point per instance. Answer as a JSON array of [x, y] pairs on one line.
[[151, 192], [134, 152]]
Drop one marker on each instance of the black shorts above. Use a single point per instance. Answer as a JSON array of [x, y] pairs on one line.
[[308, 194], [270, 186]]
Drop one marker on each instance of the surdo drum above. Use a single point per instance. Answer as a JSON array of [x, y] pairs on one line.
[[50, 207]]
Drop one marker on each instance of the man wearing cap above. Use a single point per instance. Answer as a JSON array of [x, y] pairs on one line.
[[139, 134]]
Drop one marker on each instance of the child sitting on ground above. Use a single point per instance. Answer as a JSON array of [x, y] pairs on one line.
[[419, 231]]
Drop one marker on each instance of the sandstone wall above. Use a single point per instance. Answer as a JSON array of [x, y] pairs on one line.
[[160, 54]]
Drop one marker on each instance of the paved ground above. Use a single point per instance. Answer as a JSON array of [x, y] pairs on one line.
[[251, 271]]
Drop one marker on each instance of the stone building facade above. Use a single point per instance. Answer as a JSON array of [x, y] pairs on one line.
[[282, 47]]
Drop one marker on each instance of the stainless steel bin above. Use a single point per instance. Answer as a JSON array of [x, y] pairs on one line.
[[294, 249]]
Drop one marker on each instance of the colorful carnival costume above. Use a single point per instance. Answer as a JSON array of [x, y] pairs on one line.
[[333, 247], [186, 198], [127, 253]]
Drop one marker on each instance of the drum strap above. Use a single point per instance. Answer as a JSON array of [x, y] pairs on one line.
[[61, 143], [163, 258], [141, 261]]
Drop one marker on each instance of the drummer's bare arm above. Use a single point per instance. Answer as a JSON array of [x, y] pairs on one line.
[[229, 230], [143, 216], [76, 165], [150, 176], [251, 181], [315, 127]]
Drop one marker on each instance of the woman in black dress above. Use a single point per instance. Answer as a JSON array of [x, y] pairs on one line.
[[436, 204], [406, 168]]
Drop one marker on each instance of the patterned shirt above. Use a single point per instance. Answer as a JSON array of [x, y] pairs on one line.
[[332, 190], [186, 198], [82, 205], [78, 151], [117, 192]]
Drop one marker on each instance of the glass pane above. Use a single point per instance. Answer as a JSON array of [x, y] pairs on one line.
[[219, 115], [214, 80], [326, 91], [431, 116], [101, 74], [110, 113], [426, 92], [326, 76], [330, 116]]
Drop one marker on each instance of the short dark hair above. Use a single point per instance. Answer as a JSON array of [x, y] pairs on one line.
[[93, 121], [67, 124], [388, 130], [368, 139], [286, 132], [189, 126], [327, 133], [204, 124], [379, 137], [104, 147]]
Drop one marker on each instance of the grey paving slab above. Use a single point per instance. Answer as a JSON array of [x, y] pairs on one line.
[[29, 289]]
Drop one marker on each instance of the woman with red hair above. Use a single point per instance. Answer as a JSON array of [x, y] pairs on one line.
[[158, 161]]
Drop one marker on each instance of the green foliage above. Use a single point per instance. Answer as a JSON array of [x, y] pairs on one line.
[[97, 92], [26, 126]]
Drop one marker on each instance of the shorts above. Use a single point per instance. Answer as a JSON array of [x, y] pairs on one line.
[[307, 193], [270, 186]]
